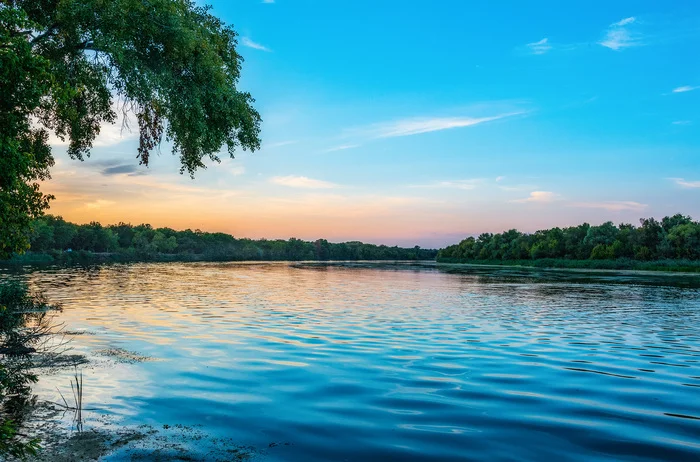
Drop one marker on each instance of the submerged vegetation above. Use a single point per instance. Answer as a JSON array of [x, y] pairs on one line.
[[671, 244], [56, 240]]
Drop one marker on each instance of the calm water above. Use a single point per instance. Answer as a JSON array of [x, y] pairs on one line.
[[315, 364]]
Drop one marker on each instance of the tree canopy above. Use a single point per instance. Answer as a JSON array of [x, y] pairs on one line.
[[675, 237], [69, 65], [52, 236]]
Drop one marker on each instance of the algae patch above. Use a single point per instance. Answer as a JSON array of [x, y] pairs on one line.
[[121, 355]]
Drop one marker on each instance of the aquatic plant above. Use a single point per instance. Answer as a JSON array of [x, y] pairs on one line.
[[76, 386], [24, 329]]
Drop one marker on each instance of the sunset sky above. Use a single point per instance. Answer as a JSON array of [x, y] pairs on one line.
[[413, 122]]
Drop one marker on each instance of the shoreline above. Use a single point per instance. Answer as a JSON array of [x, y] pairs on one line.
[[66, 434], [658, 266], [93, 258]]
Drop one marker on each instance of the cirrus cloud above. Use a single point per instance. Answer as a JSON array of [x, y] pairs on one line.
[[293, 181], [684, 89], [247, 42], [408, 127], [539, 196], [342, 147], [540, 47], [614, 206], [684, 183], [618, 35]]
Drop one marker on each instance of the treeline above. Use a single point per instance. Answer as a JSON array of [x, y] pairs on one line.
[[53, 236], [676, 237]]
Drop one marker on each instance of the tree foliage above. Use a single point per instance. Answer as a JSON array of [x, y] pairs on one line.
[[676, 237], [69, 65], [50, 235]]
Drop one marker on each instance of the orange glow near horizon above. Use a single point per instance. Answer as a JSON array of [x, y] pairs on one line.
[[255, 206]]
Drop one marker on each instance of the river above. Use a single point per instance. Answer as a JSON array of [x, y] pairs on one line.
[[381, 362]]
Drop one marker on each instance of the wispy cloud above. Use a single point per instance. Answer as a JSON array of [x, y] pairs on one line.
[[247, 42], [268, 1], [614, 206], [500, 178], [454, 184], [293, 181], [619, 36], [684, 183], [124, 169], [539, 48], [342, 147], [539, 196], [237, 170], [279, 144], [408, 127], [624, 22], [681, 122], [684, 89]]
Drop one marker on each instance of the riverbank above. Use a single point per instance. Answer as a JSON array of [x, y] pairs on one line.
[[105, 438], [47, 410], [675, 266], [65, 431], [84, 257], [96, 258]]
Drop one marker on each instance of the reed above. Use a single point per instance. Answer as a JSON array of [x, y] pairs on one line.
[[76, 386]]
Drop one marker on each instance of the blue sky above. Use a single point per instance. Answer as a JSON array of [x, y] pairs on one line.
[[423, 122]]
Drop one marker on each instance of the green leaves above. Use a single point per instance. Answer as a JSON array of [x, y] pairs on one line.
[[173, 61], [10, 445], [676, 237], [66, 63]]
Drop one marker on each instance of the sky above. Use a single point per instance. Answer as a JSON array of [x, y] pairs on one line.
[[421, 123]]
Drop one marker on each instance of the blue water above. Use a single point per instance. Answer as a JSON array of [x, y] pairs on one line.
[[335, 363]]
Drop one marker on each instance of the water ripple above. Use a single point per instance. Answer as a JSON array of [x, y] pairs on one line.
[[378, 364]]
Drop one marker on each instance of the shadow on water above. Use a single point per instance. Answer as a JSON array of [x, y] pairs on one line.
[[495, 273]]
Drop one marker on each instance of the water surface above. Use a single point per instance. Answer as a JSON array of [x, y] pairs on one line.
[[315, 363]]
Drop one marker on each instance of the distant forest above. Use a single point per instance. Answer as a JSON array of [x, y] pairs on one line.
[[676, 237], [666, 244], [52, 237]]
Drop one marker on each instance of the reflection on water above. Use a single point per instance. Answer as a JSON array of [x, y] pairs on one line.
[[375, 364]]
